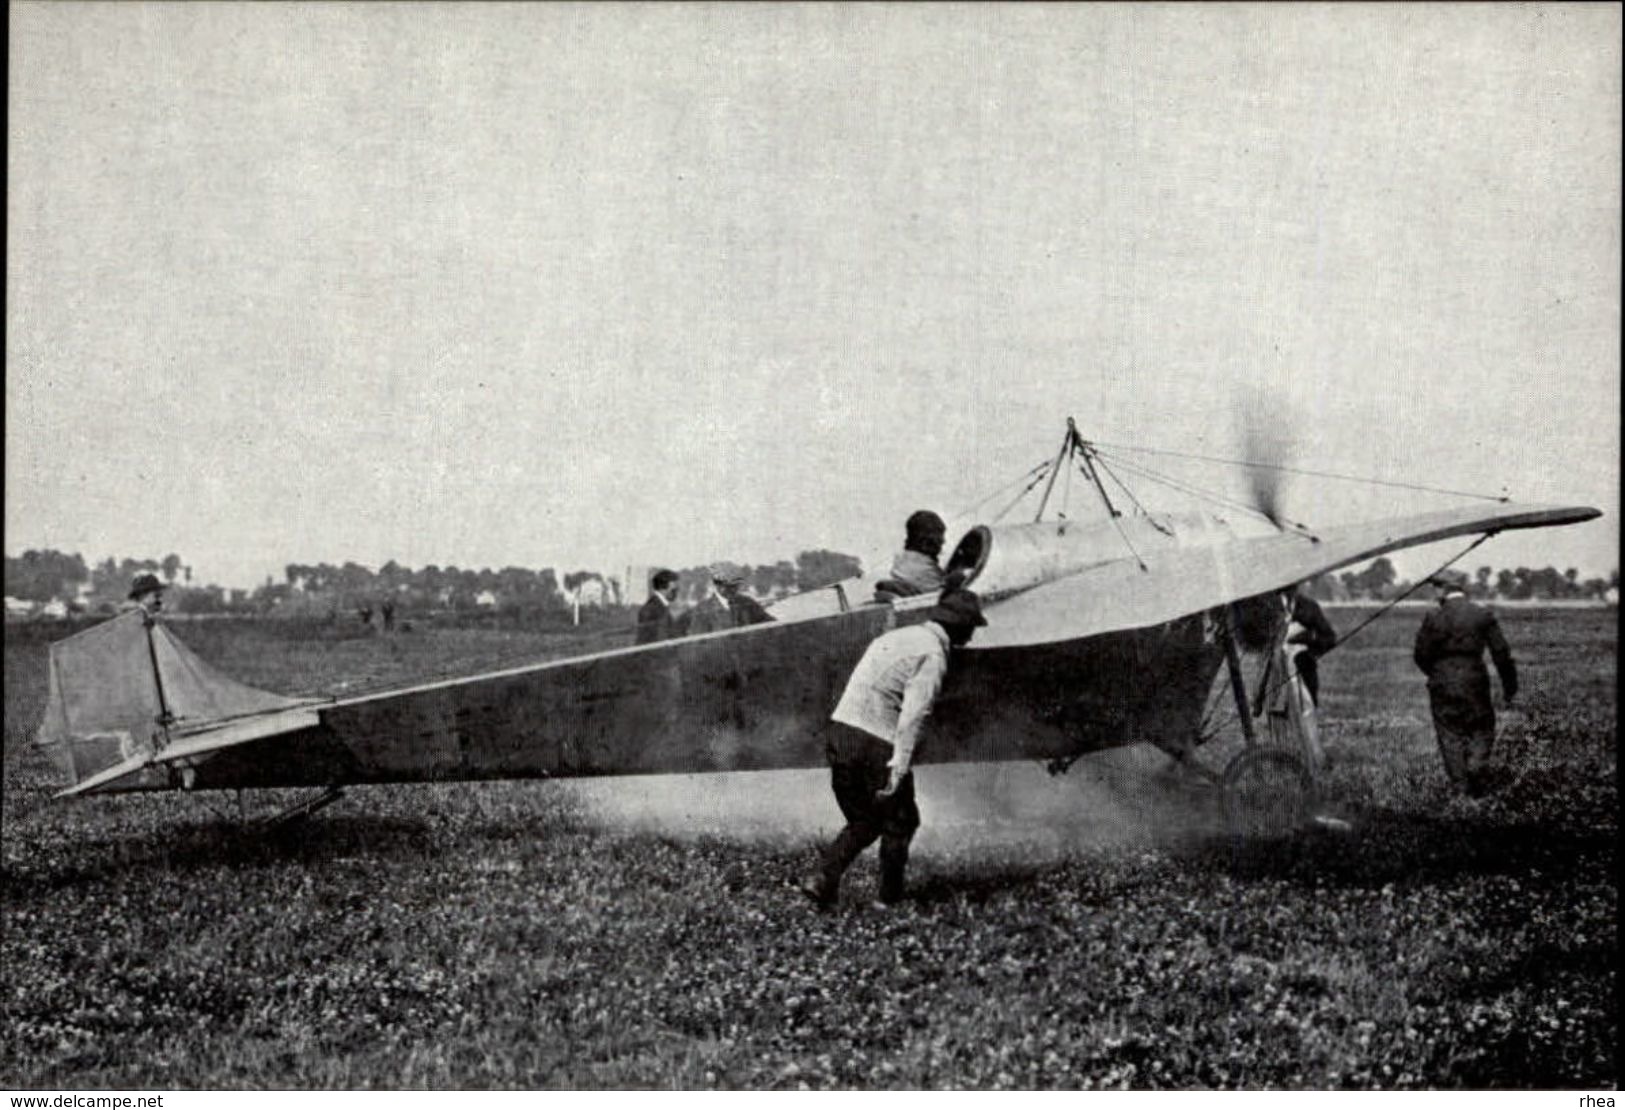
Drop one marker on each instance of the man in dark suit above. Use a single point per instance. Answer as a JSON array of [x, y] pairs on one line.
[[147, 593], [727, 605], [1450, 651], [1310, 630], [656, 620]]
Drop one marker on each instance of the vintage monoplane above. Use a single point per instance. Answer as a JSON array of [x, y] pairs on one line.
[[1102, 632]]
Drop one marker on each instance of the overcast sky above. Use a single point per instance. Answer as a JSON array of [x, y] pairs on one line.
[[566, 286]]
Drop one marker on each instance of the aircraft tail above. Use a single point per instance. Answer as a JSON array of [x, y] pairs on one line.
[[119, 690]]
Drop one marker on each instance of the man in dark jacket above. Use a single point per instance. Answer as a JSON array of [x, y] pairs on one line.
[[147, 593], [727, 606], [656, 620], [1309, 629], [1450, 651]]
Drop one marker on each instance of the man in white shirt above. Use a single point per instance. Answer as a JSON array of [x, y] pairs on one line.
[[871, 738]]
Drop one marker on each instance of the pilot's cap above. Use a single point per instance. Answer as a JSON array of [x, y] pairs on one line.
[[144, 584], [924, 522], [1449, 580], [960, 607]]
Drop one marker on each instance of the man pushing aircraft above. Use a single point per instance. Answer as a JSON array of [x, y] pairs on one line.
[[871, 738]]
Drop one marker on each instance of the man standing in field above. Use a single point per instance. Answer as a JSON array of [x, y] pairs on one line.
[[1308, 628], [146, 594], [727, 606], [871, 738], [1450, 651], [656, 621]]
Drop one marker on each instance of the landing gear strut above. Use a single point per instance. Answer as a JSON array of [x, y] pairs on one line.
[[1269, 789]]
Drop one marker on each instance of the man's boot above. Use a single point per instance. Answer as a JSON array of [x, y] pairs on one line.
[[824, 885], [893, 861]]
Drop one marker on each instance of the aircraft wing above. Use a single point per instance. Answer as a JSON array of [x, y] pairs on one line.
[[1175, 581]]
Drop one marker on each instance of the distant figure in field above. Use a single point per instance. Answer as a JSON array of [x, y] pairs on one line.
[[915, 570], [387, 610], [1450, 649], [365, 613], [726, 606], [1308, 627], [871, 738], [656, 620], [146, 594]]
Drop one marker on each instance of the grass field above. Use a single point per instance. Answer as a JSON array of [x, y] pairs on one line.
[[1090, 931]]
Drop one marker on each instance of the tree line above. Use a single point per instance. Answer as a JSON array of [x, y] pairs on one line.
[[1380, 581], [323, 589]]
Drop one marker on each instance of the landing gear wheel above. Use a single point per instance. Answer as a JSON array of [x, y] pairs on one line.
[[1268, 792]]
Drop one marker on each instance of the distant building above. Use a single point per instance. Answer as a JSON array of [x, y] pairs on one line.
[[485, 599], [635, 590], [16, 607], [1611, 595], [594, 591]]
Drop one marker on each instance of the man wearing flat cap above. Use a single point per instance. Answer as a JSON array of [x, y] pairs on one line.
[[1450, 651], [727, 605], [871, 738]]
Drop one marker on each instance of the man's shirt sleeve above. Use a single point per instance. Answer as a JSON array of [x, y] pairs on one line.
[[918, 696]]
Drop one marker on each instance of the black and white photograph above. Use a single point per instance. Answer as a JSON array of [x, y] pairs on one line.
[[676, 547]]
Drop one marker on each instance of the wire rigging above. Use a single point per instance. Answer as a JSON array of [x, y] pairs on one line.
[[1193, 491], [1198, 492], [1206, 733], [1143, 511], [1042, 464], [1308, 473], [1028, 488]]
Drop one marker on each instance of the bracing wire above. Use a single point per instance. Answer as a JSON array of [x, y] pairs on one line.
[[1117, 520], [1278, 681], [1118, 482], [1417, 586], [1193, 491], [1198, 492], [1028, 488], [1036, 470], [1307, 473]]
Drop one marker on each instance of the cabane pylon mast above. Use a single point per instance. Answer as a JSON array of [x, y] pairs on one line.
[[1075, 445]]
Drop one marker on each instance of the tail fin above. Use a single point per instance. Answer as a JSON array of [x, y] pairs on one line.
[[118, 688]]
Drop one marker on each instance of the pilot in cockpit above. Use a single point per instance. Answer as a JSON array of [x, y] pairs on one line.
[[915, 570]]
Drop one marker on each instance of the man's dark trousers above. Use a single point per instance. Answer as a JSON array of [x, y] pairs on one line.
[[858, 772]]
